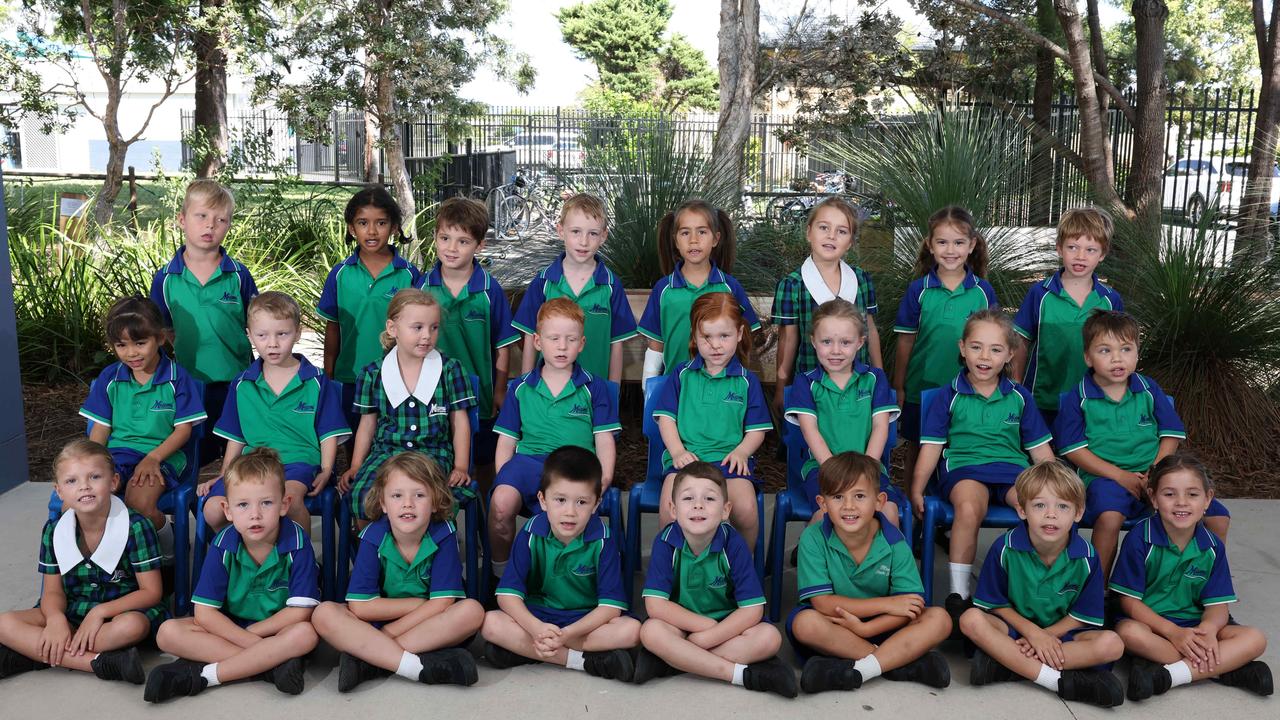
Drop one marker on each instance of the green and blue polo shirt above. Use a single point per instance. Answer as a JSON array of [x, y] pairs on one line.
[[936, 316], [233, 582], [825, 567], [540, 422], [1014, 576], [208, 320], [793, 305], [141, 417], [579, 576], [476, 323], [358, 302], [714, 583], [1053, 323], [1177, 583], [666, 316], [844, 415], [382, 572], [712, 412], [978, 430], [1126, 433], [603, 301], [294, 423]]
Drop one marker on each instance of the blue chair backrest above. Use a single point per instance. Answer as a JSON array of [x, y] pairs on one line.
[[649, 425]]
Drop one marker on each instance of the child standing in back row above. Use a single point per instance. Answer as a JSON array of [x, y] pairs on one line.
[[696, 248]]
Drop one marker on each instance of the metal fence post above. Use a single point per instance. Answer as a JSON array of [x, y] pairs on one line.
[[335, 145]]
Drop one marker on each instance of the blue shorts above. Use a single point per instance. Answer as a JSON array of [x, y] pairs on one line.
[[126, 461], [304, 473], [1106, 495], [750, 474], [524, 473], [1190, 623], [484, 441], [909, 422], [997, 476], [559, 618], [804, 652], [1067, 637], [896, 496]]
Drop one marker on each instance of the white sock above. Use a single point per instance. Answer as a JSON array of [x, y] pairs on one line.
[[652, 365], [1048, 678], [410, 666], [738, 670], [868, 667], [165, 537], [210, 673], [1180, 672], [576, 660], [961, 575], [499, 567]]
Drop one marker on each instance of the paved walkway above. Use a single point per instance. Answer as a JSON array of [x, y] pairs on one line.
[[546, 692]]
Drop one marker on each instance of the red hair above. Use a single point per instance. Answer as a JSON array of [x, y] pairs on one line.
[[712, 307]]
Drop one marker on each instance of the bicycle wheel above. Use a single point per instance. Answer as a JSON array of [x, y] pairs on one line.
[[511, 218]]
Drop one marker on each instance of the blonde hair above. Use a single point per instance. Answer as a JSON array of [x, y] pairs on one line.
[[840, 204], [1093, 222], [276, 304], [839, 309], [83, 448], [402, 300], [416, 466], [587, 204], [260, 465], [1053, 476], [211, 193]]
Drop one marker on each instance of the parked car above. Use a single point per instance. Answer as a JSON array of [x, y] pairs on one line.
[[567, 154], [541, 147], [1190, 185], [1235, 174]]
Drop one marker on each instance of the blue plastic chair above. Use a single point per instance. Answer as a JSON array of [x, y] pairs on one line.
[[610, 508], [793, 505], [644, 497]]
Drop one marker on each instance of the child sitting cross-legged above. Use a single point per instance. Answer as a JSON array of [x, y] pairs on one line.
[[861, 612], [1039, 598], [254, 598], [560, 598], [1175, 584], [705, 603]]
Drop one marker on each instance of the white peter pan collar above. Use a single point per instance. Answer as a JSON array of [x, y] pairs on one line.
[[115, 537], [818, 289], [393, 383]]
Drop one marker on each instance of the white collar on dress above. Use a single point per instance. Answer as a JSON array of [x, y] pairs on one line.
[[393, 383], [818, 289], [115, 537]]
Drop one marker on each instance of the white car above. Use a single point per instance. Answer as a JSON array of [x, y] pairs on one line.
[[1190, 185], [1235, 174], [541, 147]]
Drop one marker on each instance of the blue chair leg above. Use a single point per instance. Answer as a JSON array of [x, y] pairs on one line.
[[344, 542], [183, 502], [777, 545], [203, 538], [631, 555], [929, 521], [472, 511], [906, 520], [328, 541], [759, 551]]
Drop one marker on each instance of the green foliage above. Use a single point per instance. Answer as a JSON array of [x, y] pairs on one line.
[[687, 78], [767, 252], [1206, 42]]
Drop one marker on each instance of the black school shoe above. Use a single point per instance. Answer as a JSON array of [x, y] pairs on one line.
[[955, 607], [1254, 677], [13, 663], [821, 674], [452, 666], [352, 671], [610, 665], [984, 670], [119, 665], [1146, 679], [502, 658], [930, 669], [1095, 687], [176, 679], [649, 666], [287, 676], [771, 675]]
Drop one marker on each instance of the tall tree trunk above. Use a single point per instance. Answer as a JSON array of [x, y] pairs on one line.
[[1143, 188], [1098, 55], [104, 203], [1252, 240], [401, 185], [210, 119], [1099, 170], [370, 133], [738, 52], [1041, 188]]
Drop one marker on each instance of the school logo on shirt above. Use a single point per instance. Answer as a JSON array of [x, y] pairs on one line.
[[584, 570], [229, 298], [118, 575], [424, 574], [161, 406], [277, 586], [391, 291], [1013, 419], [598, 309], [1069, 589], [1145, 420], [882, 569], [304, 407], [863, 393], [1195, 573], [579, 410], [734, 397], [718, 582], [435, 409], [474, 315]]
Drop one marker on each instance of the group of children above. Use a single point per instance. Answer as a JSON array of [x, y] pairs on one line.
[[410, 358]]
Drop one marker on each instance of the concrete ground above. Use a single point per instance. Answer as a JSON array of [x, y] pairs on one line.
[[548, 692]]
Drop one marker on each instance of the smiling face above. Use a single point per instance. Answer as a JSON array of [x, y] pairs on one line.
[[569, 505], [694, 237], [141, 355], [1049, 517], [701, 506], [836, 341], [85, 484], [582, 235], [372, 228], [407, 503], [985, 351], [830, 236], [455, 247], [1181, 499], [854, 507], [272, 337], [560, 340], [204, 226], [717, 342], [255, 508], [1080, 256], [1112, 359], [950, 245], [415, 329]]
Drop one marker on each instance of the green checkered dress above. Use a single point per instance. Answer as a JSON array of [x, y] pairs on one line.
[[87, 585], [414, 426], [793, 305]]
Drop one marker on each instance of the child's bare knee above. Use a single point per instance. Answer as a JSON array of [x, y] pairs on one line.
[[973, 622], [325, 615], [301, 637], [1109, 645], [469, 612], [491, 628]]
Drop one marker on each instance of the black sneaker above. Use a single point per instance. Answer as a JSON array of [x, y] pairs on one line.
[[119, 665], [955, 607], [1147, 678], [352, 671], [1095, 687], [827, 673], [502, 658], [649, 666], [771, 675], [175, 679], [13, 663], [1254, 677], [984, 670], [287, 676], [610, 665], [930, 669], [452, 666]]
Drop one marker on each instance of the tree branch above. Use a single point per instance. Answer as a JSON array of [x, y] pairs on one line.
[[768, 80]]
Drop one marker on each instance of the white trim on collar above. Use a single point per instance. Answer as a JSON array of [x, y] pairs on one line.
[[428, 378], [115, 537], [818, 289]]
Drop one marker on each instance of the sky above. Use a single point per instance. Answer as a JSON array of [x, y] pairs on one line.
[[530, 26]]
